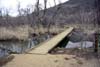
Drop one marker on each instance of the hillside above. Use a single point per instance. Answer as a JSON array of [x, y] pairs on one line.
[[72, 11]]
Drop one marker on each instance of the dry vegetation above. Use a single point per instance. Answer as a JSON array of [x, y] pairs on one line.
[[14, 33], [24, 32]]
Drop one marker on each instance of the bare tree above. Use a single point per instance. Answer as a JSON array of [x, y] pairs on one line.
[[57, 8], [19, 9], [44, 14], [36, 14], [26, 13], [21, 13], [7, 17], [0, 16]]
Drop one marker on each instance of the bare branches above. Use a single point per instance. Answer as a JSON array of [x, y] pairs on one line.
[[37, 8], [43, 20], [57, 8], [7, 16], [0, 13], [19, 9]]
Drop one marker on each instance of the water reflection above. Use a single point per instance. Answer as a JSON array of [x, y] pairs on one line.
[[7, 47], [84, 44], [3, 53]]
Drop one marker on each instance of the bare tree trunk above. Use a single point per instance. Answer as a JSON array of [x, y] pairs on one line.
[[97, 6], [37, 9], [96, 43], [44, 13], [54, 15]]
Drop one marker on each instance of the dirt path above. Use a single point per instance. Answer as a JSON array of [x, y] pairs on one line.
[[32, 60], [91, 63], [48, 60], [83, 58], [87, 59]]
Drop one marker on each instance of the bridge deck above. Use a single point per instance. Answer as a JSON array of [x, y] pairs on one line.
[[45, 47]]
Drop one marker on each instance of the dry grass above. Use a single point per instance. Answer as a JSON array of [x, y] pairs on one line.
[[20, 33], [86, 28], [23, 32]]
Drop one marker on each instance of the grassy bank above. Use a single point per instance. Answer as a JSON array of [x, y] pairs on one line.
[[23, 32]]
